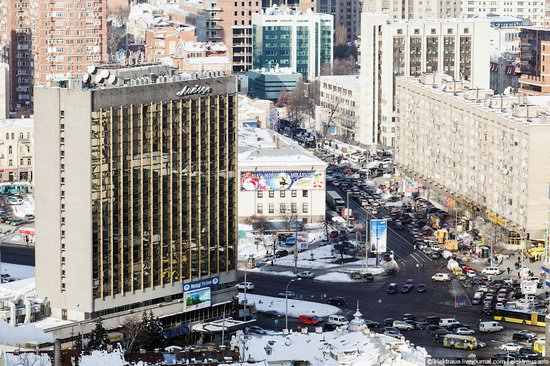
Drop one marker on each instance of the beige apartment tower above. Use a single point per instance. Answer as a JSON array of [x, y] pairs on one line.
[[136, 192]]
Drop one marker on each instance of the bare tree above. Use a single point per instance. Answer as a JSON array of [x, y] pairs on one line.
[[116, 28], [133, 329], [299, 102], [341, 66]]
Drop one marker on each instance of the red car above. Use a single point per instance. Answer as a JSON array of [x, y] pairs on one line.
[[467, 269], [309, 320]]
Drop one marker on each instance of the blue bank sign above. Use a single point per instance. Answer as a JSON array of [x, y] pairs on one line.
[[208, 282]]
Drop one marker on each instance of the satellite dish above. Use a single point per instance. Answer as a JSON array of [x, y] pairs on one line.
[[112, 79], [86, 78], [92, 69], [104, 74]]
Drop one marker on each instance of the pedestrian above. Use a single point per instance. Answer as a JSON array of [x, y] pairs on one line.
[[508, 269], [519, 275]]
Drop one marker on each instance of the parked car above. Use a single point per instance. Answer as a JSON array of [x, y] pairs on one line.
[[369, 277], [248, 286], [254, 329], [510, 347], [337, 319], [356, 276], [432, 320], [490, 326], [523, 336], [306, 274], [388, 321], [409, 316], [421, 288], [371, 323], [406, 289], [389, 272], [393, 333], [401, 325], [464, 331], [273, 314], [337, 301], [432, 328], [309, 319], [288, 294], [281, 253]]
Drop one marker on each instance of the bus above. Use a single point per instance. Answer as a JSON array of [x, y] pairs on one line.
[[460, 342], [520, 316], [15, 188]]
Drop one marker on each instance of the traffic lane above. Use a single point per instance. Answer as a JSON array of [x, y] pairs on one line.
[[21, 255]]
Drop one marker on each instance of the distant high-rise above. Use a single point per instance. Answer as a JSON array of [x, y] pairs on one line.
[[135, 192], [535, 60], [414, 9], [70, 36]]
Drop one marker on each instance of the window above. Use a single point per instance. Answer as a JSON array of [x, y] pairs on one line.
[[21, 162], [10, 162], [304, 208], [294, 193], [304, 193], [21, 136], [260, 209], [12, 136], [271, 208], [29, 161], [293, 207], [282, 207], [271, 194], [10, 150], [282, 194], [260, 194], [7, 136]]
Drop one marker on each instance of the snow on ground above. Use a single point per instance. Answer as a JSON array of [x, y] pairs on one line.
[[17, 271], [27, 358], [316, 258], [334, 277], [273, 273], [295, 307], [25, 208], [16, 290], [23, 334], [48, 323], [102, 358]]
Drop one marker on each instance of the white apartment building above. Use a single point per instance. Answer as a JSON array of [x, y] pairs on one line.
[[414, 9], [16, 149], [278, 178], [527, 9], [488, 152], [391, 48], [339, 103]]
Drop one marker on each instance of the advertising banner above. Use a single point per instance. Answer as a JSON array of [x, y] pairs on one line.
[[197, 299], [379, 235], [281, 181], [286, 241], [207, 282]]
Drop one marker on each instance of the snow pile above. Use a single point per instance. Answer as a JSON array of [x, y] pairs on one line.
[[13, 291], [25, 208], [274, 273], [334, 277], [26, 359], [321, 257], [22, 334], [103, 358], [295, 307]]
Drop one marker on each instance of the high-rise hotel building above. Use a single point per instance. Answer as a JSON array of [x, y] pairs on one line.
[[136, 192]]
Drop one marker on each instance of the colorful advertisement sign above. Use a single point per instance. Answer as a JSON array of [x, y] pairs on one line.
[[287, 241], [207, 282], [281, 181], [379, 235], [197, 299]]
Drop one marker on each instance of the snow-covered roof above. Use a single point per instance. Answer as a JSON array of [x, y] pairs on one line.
[[358, 348], [13, 291], [19, 122], [264, 148], [347, 81], [208, 60]]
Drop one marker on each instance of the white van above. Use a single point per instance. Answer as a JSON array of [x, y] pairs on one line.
[[445, 322], [441, 277], [490, 326], [337, 320], [491, 271]]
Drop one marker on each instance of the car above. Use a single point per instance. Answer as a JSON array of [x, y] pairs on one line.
[[389, 272], [522, 337], [392, 289], [422, 325], [454, 326], [338, 320], [371, 323], [337, 301], [441, 277], [461, 277], [409, 316], [248, 286], [273, 314], [393, 333], [254, 329], [529, 353], [29, 217], [329, 327], [511, 347], [388, 321], [287, 294], [309, 319], [421, 288], [356, 276], [368, 277], [401, 325], [406, 289], [464, 331], [306, 274], [441, 332], [281, 253], [387, 257], [17, 222], [432, 328], [432, 320], [399, 225]]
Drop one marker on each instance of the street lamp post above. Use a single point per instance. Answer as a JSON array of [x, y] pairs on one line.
[[286, 300], [347, 209]]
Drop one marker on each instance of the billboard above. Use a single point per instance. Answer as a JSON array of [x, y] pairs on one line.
[[197, 299], [378, 235], [281, 181], [287, 241]]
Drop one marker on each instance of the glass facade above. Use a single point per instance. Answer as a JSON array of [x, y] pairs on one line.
[[465, 57], [163, 193], [302, 50], [449, 55], [415, 62], [326, 42], [432, 54], [272, 46]]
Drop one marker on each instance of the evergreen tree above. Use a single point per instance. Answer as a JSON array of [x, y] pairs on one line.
[[98, 337], [154, 334], [78, 342]]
